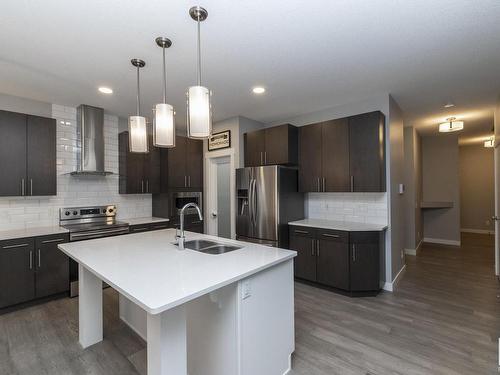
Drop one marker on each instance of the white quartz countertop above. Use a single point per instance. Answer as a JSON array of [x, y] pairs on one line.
[[145, 220], [153, 273], [30, 232], [339, 225]]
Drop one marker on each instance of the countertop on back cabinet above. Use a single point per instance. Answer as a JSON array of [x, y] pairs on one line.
[[145, 220], [339, 225], [31, 232]]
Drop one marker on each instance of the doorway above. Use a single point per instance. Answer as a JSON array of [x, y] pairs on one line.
[[220, 193]]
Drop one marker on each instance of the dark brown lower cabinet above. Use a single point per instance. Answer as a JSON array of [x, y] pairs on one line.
[[137, 228], [17, 273], [192, 224], [32, 268], [52, 265], [348, 261], [303, 242]]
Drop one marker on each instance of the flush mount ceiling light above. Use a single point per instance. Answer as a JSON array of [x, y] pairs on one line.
[[199, 109], [490, 142], [164, 115], [105, 90], [137, 129], [451, 125], [259, 90]]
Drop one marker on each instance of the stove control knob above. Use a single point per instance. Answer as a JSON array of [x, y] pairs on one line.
[[110, 210], [103, 210], [75, 212], [67, 213]]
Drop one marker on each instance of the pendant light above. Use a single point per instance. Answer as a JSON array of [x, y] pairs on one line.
[[199, 110], [451, 125], [137, 130], [164, 115]]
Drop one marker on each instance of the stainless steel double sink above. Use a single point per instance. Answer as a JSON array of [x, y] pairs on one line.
[[209, 247]]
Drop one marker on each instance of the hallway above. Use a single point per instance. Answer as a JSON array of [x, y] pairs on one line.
[[443, 319]]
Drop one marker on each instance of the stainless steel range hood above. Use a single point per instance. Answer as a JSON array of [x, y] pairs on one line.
[[90, 141]]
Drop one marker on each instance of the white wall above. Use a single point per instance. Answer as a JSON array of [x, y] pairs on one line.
[[23, 212]]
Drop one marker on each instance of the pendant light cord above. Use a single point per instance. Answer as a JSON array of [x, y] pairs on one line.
[[199, 53], [164, 78], [138, 94]]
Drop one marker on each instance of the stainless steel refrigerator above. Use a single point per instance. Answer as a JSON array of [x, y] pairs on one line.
[[267, 199]]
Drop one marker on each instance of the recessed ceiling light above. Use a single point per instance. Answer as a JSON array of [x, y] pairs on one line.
[[258, 90], [105, 90]]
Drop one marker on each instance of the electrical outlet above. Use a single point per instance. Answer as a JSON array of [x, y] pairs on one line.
[[246, 289]]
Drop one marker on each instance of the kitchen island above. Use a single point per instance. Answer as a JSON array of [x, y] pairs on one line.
[[205, 314]]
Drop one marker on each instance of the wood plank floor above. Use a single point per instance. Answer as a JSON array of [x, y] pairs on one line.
[[443, 319]]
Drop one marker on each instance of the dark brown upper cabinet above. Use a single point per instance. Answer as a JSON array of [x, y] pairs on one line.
[[367, 152], [139, 172], [343, 155], [272, 146], [185, 164], [27, 155]]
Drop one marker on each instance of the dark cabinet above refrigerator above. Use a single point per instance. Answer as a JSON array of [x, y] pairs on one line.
[[271, 146]]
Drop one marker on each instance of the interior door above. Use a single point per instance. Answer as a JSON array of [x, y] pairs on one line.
[[12, 153], [265, 202], [41, 163], [310, 166]]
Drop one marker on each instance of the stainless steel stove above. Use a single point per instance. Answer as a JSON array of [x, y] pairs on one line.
[[85, 223]]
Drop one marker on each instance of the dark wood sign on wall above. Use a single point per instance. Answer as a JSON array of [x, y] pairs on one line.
[[219, 141]]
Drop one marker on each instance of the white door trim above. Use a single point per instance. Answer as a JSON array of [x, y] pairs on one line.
[[211, 188]]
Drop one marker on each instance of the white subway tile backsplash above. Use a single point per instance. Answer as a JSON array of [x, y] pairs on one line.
[[354, 207], [23, 212]]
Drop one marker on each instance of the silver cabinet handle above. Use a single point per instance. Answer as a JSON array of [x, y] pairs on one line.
[[142, 186], [189, 181], [39, 258], [196, 222], [301, 231], [353, 252], [261, 161], [352, 183], [331, 235], [31, 186], [317, 247], [54, 240], [22, 186], [323, 184], [31, 259], [15, 246]]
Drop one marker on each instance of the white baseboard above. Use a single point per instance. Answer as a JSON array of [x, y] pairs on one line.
[[415, 251], [391, 286], [442, 241], [478, 231]]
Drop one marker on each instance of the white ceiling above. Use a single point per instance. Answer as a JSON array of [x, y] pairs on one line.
[[309, 55]]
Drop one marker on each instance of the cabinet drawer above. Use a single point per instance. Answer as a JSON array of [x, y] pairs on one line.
[[140, 228], [301, 231], [366, 237], [161, 225], [17, 243], [332, 235]]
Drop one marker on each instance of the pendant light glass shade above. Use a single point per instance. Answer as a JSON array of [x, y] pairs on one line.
[[138, 134], [199, 113], [164, 126], [164, 115], [199, 110], [137, 127]]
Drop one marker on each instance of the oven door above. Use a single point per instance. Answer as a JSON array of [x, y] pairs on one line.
[[180, 199]]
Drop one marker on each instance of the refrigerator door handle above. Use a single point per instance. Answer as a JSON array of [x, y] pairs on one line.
[[254, 202]]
